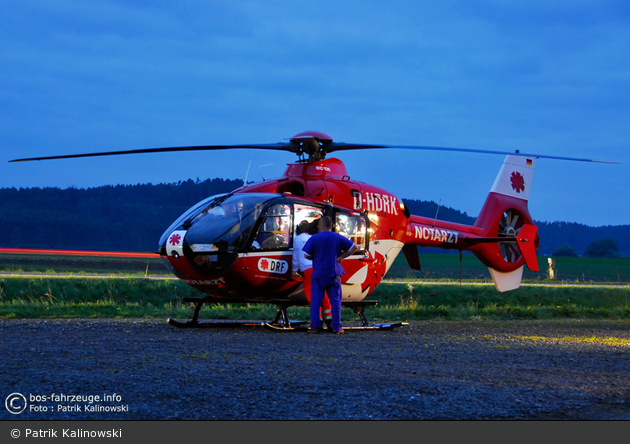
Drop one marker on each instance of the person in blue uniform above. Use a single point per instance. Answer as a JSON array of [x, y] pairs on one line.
[[327, 249], [305, 267]]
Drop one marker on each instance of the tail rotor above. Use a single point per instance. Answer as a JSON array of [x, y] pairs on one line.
[[510, 226]]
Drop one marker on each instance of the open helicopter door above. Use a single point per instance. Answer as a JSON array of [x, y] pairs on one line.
[[354, 226]]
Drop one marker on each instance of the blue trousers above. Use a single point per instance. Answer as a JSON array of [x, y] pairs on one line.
[[332, 287]]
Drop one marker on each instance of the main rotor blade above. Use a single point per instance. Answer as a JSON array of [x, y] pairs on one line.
[[281, 146], [337, 146], [297, 148]]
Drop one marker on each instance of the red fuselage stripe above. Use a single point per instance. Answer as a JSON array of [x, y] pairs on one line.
[[77, 253]]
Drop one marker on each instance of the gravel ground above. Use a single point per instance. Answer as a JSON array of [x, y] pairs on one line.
[[428, 370]]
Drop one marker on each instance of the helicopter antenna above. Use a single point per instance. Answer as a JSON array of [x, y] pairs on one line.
[[268, 165], [247, 174], [436, 212]]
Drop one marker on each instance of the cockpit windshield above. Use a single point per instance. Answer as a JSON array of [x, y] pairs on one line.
[[224, 224], [234, 223]]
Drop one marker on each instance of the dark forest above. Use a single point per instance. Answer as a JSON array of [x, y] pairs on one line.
[[133, 217]]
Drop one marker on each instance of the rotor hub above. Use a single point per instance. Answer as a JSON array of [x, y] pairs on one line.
[[312, 144]]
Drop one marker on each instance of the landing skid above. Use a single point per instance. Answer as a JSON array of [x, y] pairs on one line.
[[380, 326], [227, 324], [194, 321], [281, 321]]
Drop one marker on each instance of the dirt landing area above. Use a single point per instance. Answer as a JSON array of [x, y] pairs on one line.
[[429, 370]]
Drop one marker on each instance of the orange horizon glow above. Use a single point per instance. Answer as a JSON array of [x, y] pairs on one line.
[[78, 253]]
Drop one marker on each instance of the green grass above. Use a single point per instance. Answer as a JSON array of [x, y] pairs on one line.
[[48, 269], [585, 269], [38, 263], [581, 269], [75, 297], [434, 266], [426, 301], [126, 297]]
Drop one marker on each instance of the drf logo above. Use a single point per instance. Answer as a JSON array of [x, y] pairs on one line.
[[273, 266]]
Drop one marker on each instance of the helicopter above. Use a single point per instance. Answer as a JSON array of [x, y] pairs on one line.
[[238, 247]]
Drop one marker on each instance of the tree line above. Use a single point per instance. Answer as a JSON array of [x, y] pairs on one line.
[[108, 218], [133, 217]]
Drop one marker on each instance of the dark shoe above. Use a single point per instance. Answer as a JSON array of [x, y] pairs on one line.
[[339, 332], [328, 324], [314, 331]]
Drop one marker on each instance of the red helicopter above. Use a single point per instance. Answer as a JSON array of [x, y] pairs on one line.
[[237, 247]]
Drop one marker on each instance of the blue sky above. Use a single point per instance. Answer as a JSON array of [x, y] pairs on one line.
[[544, 77]]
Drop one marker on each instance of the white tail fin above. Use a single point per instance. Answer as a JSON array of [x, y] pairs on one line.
[[515, 177]]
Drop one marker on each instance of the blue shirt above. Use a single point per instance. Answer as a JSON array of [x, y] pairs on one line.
[[325, 248]]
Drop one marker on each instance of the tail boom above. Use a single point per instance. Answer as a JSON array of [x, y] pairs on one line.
[[503, 237]]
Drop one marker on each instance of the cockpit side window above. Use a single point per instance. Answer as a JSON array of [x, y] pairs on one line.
[[308, 213], [354, 228], [275, 233]]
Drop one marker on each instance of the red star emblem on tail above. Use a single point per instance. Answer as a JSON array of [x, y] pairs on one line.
[[518, 182], [264, 264]]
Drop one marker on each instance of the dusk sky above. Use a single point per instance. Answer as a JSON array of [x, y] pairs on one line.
[[543, 77]]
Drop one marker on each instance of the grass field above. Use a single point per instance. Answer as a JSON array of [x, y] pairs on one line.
[[434, 266], [581, 269], [32, 263], [22, 297], [74, 296]]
